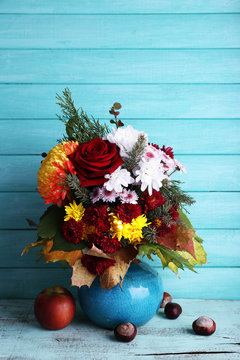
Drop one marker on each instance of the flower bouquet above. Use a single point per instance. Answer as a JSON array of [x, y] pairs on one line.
[[112, 201]]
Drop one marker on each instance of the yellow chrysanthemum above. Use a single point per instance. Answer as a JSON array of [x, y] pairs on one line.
[[54, 168], [131, 231], [74, 211]]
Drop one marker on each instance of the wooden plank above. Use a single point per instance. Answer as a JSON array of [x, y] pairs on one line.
[[211, 283], [226, 172], [18, 326], [212, 210], [120, 31], [12, 244], [122, 66], [139, 101], [186, 136], [117, 6], [222, 247]]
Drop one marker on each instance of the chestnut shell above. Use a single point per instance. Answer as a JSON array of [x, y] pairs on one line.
[[204, 328], [125, 332], [172, 310], [166, 299]]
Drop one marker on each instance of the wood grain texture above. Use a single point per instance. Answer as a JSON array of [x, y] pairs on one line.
[[208, 283], [119, 67], [224, 173], [102, 31], [186, 136], [12, 243], [117, 6], [174, 66], [83, 339], [212, 210], [148, 101]]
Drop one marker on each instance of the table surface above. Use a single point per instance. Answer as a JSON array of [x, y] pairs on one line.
[[21, 337]]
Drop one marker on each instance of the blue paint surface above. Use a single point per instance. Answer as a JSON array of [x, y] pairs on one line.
[[175, 67], [137, 302]]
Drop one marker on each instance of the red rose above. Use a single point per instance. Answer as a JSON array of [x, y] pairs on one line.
[[94, 159]]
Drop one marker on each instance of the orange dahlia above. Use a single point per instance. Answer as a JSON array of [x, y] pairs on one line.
[[53, 170]]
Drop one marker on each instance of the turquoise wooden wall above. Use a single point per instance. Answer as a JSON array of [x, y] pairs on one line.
[[175, 67]]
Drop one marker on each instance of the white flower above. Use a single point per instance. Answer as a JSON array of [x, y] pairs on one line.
[[124, 138], [128, 197], [96, 194], [150, 174], [108, 196], [118, 179], [180, 166]]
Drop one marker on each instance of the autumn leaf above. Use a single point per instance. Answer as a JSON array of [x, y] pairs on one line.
[[31, 223], [181, 238], [115, 274], [169, 258], [94, 251], [58, 255], [200, 257], [81, 276], [33, 245]]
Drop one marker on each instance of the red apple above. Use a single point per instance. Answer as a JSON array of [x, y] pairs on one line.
[[55, 308]]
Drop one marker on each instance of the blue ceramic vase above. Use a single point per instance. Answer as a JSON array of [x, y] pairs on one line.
[[137, 302]]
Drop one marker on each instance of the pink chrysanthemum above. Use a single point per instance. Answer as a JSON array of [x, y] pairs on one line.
[[128, 197]]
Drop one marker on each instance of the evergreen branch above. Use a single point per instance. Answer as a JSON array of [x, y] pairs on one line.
[[135, 154], [162, 212], [81, 193], [149, 234], [175, 195], [79, 127]]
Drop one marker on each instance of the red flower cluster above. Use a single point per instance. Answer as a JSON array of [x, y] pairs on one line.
[[153, 201], [106, 244], [72, 231], [97, 215], [96, 265], [168, 151], [127, 212], [154, 145], [162, 228]]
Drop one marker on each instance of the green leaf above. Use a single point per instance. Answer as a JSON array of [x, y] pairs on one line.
[[169, 258], [176, 258], [200, 254], [50, 222], [188, 224], [185, 219], [198, 239], [59, 243]]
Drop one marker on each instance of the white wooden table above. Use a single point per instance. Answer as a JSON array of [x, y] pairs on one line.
[[21, 337]]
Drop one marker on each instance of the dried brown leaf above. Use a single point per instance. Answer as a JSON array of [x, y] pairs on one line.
[[115, 274], [81, 276]]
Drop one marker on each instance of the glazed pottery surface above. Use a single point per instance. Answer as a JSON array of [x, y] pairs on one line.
[[137, 302]]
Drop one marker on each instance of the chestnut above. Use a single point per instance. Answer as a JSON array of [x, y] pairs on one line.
[[204, 326], [172, 310], [166, 299], [125, 332]]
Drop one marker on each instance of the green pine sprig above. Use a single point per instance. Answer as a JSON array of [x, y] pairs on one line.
[[79, 127], [135, 154], [80, 193], [175, 195]]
